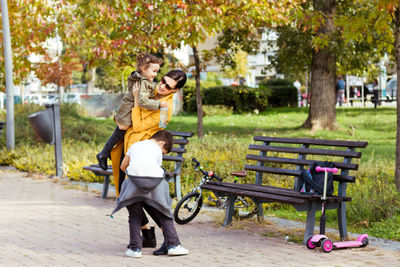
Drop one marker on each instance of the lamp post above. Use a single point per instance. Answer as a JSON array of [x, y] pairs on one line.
[[9, 75]]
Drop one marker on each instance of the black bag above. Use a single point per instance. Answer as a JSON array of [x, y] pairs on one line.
[[312, 182]]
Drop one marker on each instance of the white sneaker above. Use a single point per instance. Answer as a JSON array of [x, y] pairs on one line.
[[137, 253], [177, 250]]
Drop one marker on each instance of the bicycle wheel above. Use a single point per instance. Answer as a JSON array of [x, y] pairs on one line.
[[188, 207]]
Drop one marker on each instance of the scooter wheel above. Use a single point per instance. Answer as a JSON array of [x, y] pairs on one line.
[[309, 244], [327, 245], [364, 242]]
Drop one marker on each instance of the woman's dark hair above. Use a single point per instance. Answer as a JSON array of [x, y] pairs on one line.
[[179, 76], [164, 135], [144, 61]]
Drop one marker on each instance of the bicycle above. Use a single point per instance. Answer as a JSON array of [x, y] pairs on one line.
[[189, 206]]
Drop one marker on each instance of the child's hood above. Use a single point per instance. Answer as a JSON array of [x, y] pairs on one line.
[[135, 76]]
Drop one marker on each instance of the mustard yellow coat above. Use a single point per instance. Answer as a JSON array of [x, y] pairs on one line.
[[145, 123]]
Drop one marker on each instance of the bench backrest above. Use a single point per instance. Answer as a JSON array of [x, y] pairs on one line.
[[293, 153], [178, 149]]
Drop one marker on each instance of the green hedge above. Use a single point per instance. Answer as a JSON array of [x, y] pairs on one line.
[[240, 98], [270, 93], [283, 93]]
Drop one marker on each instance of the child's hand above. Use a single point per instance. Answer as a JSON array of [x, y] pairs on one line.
[[163, 104]]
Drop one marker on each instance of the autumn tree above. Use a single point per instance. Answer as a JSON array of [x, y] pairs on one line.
[[378, 22], [31, 25], [239, 67], [116, 31], [58, 70]]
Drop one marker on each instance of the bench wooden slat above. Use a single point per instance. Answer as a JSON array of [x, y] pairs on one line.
[[272, 170], [178, 150], [314, 151], [305, 162], [97, 165], [311, 141], [336, 177], [258, 195], [172, 158], [263, 188], [183, 134], [278, 191], [98, 170], [181, 141]]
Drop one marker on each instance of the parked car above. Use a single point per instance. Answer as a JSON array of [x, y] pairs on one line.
[[77, 88], [72, 98], [17, 99], [391, 87], [33, 98], [54, 98]]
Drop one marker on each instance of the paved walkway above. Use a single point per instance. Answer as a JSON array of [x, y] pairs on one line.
[[45, 223]]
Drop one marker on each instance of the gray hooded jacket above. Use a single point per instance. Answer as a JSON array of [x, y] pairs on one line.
[[153, 191]]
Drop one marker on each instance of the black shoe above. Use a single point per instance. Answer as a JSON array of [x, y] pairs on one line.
[[163, 250], [149, 238], [102, 159]]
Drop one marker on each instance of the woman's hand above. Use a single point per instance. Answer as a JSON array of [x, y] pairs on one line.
[[135, 92]]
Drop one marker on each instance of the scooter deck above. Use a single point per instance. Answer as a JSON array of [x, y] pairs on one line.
[[347, 244]]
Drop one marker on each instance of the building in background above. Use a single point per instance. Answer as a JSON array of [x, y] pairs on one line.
[[259, 65]]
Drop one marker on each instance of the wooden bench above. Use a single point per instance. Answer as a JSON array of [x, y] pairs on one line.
[[176, 156], [287, 157]]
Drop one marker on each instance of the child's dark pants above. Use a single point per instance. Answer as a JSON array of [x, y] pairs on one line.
[[135, 221]]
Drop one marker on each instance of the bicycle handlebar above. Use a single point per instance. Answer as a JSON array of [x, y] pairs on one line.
[[216, 177], [198, 165], [196, 161], [326, 169]]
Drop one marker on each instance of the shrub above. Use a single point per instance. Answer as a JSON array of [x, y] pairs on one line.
[[239, 98], [283, 93], [374, 195]]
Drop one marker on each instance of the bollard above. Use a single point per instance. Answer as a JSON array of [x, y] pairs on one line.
[[47, 125]]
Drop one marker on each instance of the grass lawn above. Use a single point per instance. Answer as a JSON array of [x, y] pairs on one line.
[[377, 126]]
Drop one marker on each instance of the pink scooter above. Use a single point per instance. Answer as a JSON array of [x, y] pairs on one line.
[[322, 240]]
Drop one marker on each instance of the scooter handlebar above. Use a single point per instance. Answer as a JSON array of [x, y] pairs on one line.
[[326, 169]]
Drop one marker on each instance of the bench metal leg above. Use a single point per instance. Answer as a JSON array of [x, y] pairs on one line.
[[341, 212], [260, 211], [177, 183], [310, 222], [229, 210], [105, 186]]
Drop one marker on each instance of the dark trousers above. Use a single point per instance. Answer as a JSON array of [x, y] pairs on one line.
[[117, 135], [150, 210], [135, 219]]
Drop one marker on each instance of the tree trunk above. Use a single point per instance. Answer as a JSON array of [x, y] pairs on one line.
[[322, 112], [397, 51], [198, 94], [91, 80]]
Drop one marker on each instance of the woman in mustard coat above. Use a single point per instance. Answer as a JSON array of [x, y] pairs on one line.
[[145, 123]]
